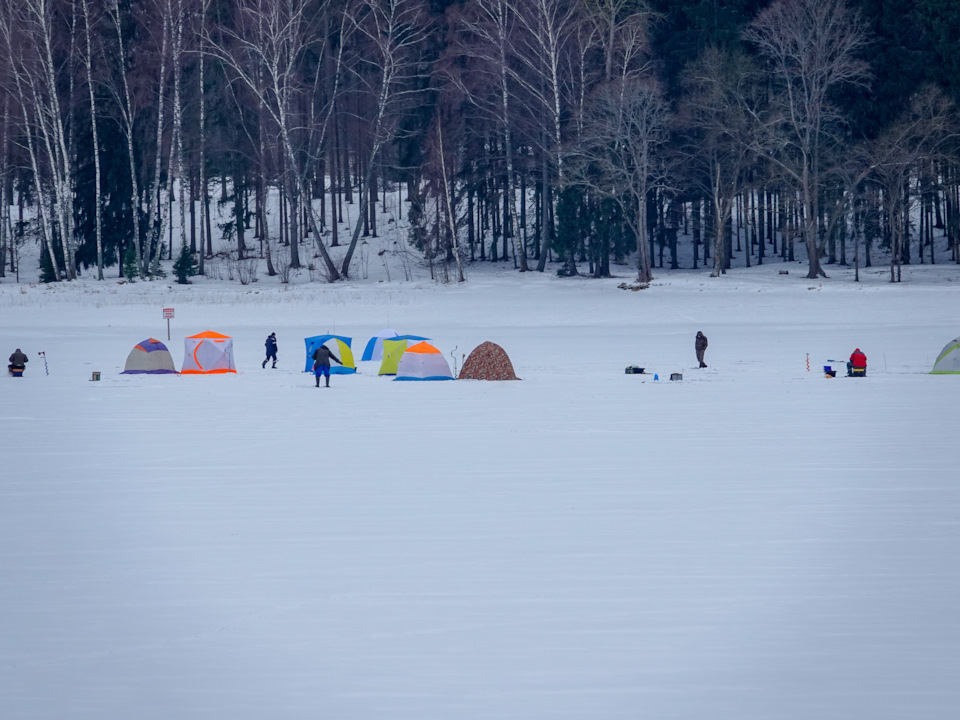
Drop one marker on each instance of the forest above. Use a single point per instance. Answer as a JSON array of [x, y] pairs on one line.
[[577, 132]]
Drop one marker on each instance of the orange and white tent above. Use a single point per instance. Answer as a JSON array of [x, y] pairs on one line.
[[423, 362], [207, 353]]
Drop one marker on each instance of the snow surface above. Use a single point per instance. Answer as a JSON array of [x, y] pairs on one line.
[[753, 542]]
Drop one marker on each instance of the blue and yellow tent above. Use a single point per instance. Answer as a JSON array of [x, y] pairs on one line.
[[339, 345], [374, 348], [393, 348]]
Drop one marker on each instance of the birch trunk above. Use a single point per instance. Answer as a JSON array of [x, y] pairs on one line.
[[157, 217], [18, 67], [37, 84], [126, 113], [178, 119], [451, 223], [56, 136], [5, 236], [98, 216], [205, 242], [46, 223]]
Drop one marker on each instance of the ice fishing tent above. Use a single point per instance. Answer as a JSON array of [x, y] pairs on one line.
[[374, 348], [338, 345], [488, 361], [393, 349], [151, 357], [948, 361], [423, 362], [207, 353]]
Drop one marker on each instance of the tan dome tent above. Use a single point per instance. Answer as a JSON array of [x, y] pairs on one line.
[[488, 361], [149, 357]]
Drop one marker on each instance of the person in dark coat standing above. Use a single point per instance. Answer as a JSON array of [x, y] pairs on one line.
[[271, 345], [321, 363], [701, 346], [18, 361]]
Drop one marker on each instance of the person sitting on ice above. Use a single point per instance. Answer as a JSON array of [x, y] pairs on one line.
[[18, 361], [857, 366]]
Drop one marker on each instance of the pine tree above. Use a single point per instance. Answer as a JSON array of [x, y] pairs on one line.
[[570, 229], [131, 268], [48, 274], [185, 266]]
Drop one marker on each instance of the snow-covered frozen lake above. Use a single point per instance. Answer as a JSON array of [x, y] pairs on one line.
[[754, 542]]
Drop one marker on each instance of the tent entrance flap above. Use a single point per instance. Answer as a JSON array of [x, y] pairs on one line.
[[339, 345]]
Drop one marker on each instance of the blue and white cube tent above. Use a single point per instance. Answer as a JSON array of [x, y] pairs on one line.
[[374, 348], [338, 345]]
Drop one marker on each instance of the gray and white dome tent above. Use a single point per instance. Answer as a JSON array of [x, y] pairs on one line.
[[149, 357]]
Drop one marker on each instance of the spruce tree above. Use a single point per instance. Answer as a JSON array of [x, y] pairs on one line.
[[47, 273], [185, 266], [130, 270]]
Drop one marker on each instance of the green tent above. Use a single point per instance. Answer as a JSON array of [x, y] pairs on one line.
[[948, 362]]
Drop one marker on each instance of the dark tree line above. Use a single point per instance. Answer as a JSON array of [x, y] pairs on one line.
[[584, 132]]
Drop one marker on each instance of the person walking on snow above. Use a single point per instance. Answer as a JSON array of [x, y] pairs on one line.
[[271, 345], [701, 346], [18, 361], [321, 363]]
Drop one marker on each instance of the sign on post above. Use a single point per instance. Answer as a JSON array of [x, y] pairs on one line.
[[167, 314]]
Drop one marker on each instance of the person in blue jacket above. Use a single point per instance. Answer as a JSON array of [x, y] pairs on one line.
[[271, 345]]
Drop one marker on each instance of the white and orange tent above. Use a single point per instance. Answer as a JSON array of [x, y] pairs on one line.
[[207, 353], [423, 362]]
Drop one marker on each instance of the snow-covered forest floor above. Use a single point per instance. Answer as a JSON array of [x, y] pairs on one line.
[[755, 541]]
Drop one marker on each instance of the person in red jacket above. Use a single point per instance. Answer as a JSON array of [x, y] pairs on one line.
[[857, 366]]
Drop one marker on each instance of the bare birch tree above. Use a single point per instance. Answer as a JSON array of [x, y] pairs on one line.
[[177, 11], [266, 55], [899, 155], [488, 31], [5, 235], [157, 205], [88, 60], [447, 195], [127, 117], [546, 27], [206, 243], [392, 34], [626, 129], [622, 26], [812, 47], [718, 111], [29, 32]]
